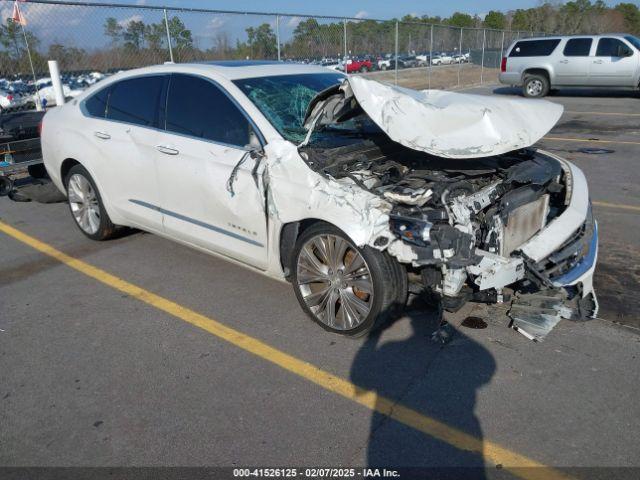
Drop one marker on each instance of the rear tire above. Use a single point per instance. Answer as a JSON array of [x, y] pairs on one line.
[[86, 205], [343, 288], [535, 85]]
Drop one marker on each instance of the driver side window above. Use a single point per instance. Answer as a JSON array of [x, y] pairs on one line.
[[198, 108], [612, 47]]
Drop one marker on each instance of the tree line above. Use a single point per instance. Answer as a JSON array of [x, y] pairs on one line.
[[134, 43]]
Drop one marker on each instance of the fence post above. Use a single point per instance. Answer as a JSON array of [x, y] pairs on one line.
[[502, 48], [430, 55], [278, 34], [484, 38], [344, 35], [460, 57], [396, 55], [166, 24]]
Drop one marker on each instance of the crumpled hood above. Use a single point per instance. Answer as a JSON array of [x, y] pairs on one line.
[[448, 124]]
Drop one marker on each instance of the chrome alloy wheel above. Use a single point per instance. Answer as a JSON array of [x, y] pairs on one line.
[[534, 87], [335, 281], [84, 203]]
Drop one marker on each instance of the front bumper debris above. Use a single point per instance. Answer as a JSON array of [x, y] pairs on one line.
[[566, 287]]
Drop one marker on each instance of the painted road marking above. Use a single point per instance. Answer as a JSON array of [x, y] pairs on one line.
[[517, 464], [621, 206], [590, 140]]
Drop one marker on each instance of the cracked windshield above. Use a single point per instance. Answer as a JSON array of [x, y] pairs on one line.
[[284, 99]]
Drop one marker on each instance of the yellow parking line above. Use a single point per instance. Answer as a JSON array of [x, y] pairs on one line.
[[590, 140], [621, 206], [617, 114], [517, 464]]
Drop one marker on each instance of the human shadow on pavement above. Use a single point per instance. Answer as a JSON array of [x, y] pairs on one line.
[[439, 381]]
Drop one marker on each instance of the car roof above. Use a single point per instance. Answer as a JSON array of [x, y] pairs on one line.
[[561, 37], [232, 69]]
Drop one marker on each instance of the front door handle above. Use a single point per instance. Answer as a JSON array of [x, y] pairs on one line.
[[563, 61], [167, 150], [102, 135], [597, 61]]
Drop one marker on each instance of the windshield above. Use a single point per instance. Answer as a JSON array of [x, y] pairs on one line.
[[635, 41], [284, 100]]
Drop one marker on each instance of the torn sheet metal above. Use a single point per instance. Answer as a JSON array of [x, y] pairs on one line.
[[295, 192], [455, 125], [536, 314], [495, 271]]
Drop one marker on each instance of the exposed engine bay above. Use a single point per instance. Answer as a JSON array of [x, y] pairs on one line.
[[464, 220], [447, 209]]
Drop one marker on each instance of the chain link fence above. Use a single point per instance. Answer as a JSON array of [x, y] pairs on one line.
[[91, 40]]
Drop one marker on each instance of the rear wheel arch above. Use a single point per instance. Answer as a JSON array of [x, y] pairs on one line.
[[90, 200], [537, 71], [66, 166]]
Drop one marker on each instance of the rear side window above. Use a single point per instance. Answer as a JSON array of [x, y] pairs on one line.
[[534, 48], [96, 105], [198, 108], [578, 47], [136, 100], [612, 47]]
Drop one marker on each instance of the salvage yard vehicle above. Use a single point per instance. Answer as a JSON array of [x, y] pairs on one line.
[[541, 64], [442, 59], [356, 192]]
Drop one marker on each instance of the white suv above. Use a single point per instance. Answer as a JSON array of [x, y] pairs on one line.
[[539, 64], [350, 189]]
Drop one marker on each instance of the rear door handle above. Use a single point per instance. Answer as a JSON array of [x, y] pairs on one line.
[[597, 61], [167, 150], [102, 135]]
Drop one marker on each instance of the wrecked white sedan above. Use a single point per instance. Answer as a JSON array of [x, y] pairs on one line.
[[355, 191]]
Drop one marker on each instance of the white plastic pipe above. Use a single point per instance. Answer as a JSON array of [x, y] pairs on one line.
[[55, 80]]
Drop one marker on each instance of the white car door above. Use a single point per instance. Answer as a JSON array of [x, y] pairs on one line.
[[125, 139], [209, 195], [572, 66], [615, 64]]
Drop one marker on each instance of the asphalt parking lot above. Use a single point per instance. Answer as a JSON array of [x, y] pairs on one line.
[[142, 352]]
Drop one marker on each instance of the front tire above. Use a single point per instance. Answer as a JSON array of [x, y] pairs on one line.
[[86, 205], [345, 289], [535, 85]]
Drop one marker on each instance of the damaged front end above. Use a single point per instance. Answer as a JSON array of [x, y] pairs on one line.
[[473, 213]]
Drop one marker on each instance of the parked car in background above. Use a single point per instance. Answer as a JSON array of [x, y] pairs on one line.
[[12, 100], [385, 63], [423, 59], [459, 58], [348, 188], [442, 59], [46, 92], [407, 61], [353, 65], [404, 61], [539, 64]]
